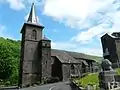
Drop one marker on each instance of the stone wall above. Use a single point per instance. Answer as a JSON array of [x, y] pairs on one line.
[[31, 64], [67, 72], [45, 50], [28, 28]]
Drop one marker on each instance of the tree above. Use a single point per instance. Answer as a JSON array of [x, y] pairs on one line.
[[5, 60], [9, 59]]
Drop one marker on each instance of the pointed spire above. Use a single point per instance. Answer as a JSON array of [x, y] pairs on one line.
[[32, 16]]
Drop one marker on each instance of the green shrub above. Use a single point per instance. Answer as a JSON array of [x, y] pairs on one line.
[[5, 69], [118, 71], [6, 61], [9, 61]]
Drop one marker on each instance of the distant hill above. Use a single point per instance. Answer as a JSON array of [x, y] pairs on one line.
[[79, 55], [82, 55], [96, 58]]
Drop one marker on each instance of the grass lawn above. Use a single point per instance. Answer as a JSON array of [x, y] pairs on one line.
[[91, 79], [118, 71]]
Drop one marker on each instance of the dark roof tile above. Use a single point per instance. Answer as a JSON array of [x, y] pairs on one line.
[[70, 57]]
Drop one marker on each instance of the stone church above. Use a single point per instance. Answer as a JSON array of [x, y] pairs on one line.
[[38, 61]]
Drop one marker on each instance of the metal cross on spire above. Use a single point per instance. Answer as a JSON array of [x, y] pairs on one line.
[[32, 16]]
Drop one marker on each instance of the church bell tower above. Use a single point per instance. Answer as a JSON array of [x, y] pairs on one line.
[[30, 71]]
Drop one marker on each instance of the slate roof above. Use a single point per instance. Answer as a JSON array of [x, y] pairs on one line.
[[111, 35], [70, 57], [63, 56], [116, 34]]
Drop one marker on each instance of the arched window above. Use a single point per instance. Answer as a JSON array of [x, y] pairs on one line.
[[34, 34]]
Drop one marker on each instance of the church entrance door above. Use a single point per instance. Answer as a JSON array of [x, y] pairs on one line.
[[57, 70]]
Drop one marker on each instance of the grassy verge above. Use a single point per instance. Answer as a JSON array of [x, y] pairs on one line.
[[118, 71], [91, 79]]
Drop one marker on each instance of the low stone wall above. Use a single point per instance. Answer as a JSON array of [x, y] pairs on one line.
[[9, 88]]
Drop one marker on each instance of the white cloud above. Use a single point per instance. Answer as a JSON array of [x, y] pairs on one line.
[[73, 8], [73, 12], [94, 16], [16, 4], [63, 45], [2, 28], [3, 33], [20, 4], [89, 34]]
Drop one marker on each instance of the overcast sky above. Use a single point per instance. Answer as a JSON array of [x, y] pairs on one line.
[[74, 25]]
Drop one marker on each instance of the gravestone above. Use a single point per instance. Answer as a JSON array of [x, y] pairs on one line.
[[117, 78], [113, 85], [107, 75]]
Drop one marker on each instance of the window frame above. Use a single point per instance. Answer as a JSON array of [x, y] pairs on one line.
[[34, 34]]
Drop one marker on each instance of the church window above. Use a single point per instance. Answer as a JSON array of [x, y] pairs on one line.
[[34, 34]]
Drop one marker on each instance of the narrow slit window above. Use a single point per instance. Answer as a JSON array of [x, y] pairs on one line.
[[34, 34]]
